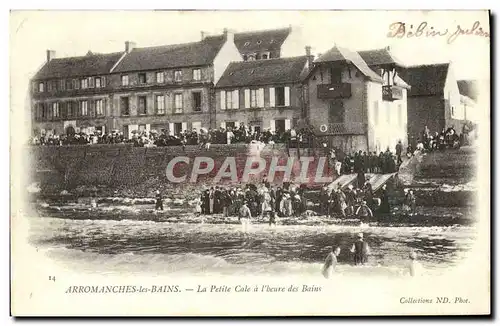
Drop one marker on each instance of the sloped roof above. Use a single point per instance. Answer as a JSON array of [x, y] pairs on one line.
[[263, 72], [426, 80], [468, 88], [340, 54], [170, 56], [379, 57], [90, 64], [258, 41]]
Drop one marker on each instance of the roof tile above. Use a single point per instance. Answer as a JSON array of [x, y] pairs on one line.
[[263, 72]]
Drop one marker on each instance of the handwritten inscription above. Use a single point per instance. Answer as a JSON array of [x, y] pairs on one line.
[[404, 30]]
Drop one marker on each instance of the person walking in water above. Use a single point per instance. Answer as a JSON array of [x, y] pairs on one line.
[[331, 262], [414, 267], [244, 216], [159, 201], [361, 250], [364, 213]]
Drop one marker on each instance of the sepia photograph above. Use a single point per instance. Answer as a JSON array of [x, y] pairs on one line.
[[250, 163]]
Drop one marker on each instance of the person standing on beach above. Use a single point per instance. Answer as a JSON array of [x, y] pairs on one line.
[[364, 212], [361, 250], [244, 216], [331, 262], [159, 201], [414, 267]]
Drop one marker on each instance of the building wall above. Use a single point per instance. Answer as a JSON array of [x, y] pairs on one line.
[[294, 43], [452, 103], [228, 53], [260, 116], [355, 107], [387, 120], [160, 121], [424, 111], [58, 125]]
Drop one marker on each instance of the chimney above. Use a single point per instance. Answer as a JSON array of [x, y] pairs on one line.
[[129, 46], [228, 35], [51, 54], [310, 58], [388, 48]]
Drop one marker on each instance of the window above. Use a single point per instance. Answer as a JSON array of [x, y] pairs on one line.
[[41, 87], [98, 82], [197, 101], [280, 96], [54, 85], [160, 77], [232, 99], [69, 84], [253, 98], [160, 104], [124, 106], [452, 112], [76, 84], [335, 75], [84, 83], [125, 80], [178, 103], [99, 109], [265, 56], [177, 128], [245, 58], [62, 84], [246, 44], [196, 74], [91, 82], [69, 109], [142, 105], [337, 111], [55, 110], [142, 78], [178, 75], [83, 108]]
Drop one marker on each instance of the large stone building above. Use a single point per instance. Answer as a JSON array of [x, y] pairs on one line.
[[169, 87], [262, 94], [165, 87], [353, 106], [434, 99], [70, 95]]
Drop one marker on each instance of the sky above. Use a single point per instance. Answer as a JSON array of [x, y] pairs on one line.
[[74, 33]]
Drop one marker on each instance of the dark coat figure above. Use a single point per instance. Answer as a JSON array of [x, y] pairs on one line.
[[159, 201], [399, 152], [385, 207], [279, 196], [361, 250], [361, 179], [323, 199], [368, 192], [218, 201], [205, 202]]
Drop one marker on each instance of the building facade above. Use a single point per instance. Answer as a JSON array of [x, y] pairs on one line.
[[170, 87], [350, 105], [263, 94], [70, 95], [434, 99]]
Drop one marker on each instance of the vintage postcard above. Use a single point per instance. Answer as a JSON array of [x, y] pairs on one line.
[[250, 163]]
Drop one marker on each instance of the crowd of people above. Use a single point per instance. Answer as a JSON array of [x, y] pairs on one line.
[[202, 136], [447, 138], [363, 162]]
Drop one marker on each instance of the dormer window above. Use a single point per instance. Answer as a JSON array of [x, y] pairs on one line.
[[178, 75], [246, 44], [259, 42], [142, 78], [125, 80], [245, 58], [41, 87]]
